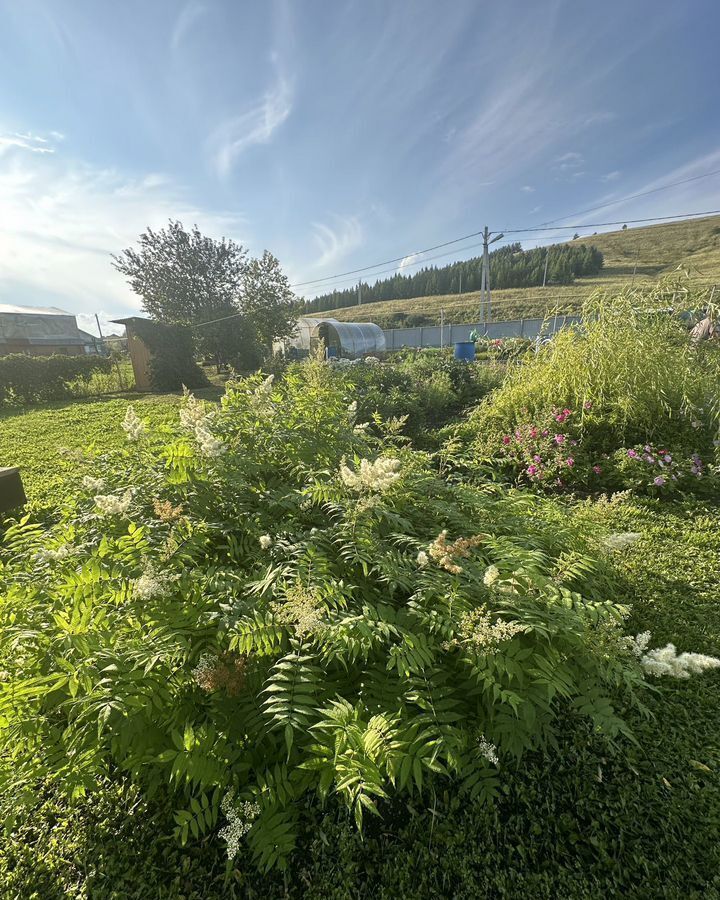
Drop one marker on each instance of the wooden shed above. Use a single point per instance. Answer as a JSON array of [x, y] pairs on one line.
[[140, 355]]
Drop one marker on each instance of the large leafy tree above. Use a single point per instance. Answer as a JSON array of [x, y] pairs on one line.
[[185, 277]]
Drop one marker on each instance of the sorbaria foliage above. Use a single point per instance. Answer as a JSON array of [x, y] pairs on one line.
[[265, 604]]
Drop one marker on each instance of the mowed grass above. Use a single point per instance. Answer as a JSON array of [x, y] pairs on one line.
[[650, 253], [54, 444]]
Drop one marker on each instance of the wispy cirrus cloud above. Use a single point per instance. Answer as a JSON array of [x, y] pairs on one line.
[[255, 125], [611, 176], [528, 189], [336, 240], [32, 143], [189, 15]]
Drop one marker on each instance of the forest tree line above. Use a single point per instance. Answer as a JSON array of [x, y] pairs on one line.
[[510, 267]]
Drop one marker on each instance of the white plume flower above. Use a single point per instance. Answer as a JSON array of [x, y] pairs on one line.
[[491, 576], [265, 542], [622, 541], [488, 750], [373, 476], [133, 426], [240, 818], [422, 559], [93, 484], [110, 505], [666, 661]]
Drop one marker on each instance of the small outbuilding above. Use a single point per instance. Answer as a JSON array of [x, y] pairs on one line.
[[340, 339]]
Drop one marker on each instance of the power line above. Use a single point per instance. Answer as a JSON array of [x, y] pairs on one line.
[[710, 212], [691, 215], [387, 261], [664, 187], [427, 259]]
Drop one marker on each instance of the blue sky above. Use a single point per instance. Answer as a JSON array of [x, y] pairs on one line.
[[336, 134]]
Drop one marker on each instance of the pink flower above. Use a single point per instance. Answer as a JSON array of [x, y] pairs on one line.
[[506, 439], [659, 481], [537, 459], [632, 454], [570, 461], [588, 404], [545, 433], [532, 470], [559, 438], [597, 469], [533, 432]]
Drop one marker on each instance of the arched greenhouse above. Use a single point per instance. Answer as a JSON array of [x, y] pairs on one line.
[[340, 339]]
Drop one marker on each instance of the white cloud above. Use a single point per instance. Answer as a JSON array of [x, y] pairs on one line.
[[529, 189], [33, 143], [256, 125], [409, 261], [60, 221], [189, 15], [333, 243], [611, 176], [571, 160]]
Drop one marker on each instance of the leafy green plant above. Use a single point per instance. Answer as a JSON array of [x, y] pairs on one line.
[[263, 604]]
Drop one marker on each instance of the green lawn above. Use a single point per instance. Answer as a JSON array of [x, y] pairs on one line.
[[37, 439]]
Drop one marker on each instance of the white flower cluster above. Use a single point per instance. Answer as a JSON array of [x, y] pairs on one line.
[[110, 505], [193, 417], [266, 542], [208, 444], [480, 632], [622, 541], [375, 476], [152, 584], [266, 387], [192, 412], [93, 484], [352, 411], [637, 645], [667, 661], [133, 425], [488, 750], [60, 553], [422, 559], [240, 819], [491, 576]]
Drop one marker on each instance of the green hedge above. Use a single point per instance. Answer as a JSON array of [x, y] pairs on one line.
[[34, 379]]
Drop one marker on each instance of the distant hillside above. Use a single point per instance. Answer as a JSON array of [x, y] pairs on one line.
[[655, 250]]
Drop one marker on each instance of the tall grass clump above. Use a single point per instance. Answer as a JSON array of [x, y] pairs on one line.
[[628, 377]]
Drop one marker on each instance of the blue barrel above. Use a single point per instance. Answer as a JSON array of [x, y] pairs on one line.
[[465, 350], [331, 353]]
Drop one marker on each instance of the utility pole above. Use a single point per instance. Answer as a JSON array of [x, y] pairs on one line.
[[485, 299], [442, 328], [547, 257], [460, 291], [359, 293]]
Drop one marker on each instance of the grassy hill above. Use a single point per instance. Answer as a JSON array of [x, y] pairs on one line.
[[656, 250]]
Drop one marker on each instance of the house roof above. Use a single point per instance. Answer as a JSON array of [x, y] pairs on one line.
[[32, 310]]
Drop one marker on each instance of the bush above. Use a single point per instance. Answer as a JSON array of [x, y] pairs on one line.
[[35, 379], [172, 362], [629, 377], [258, 609], [429, 388]]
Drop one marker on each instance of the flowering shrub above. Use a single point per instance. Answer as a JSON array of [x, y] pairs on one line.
[[656, 470], [266, 606], [547, 452]]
